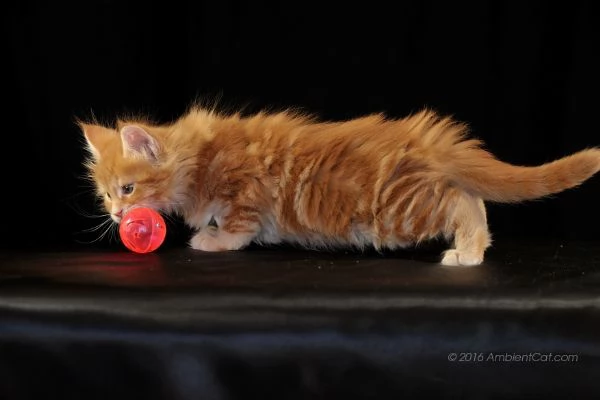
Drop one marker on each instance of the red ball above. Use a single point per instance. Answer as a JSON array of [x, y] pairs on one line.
[[142, 230]]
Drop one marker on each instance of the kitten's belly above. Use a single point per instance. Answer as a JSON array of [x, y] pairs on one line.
[[360, 236], [273, 233]]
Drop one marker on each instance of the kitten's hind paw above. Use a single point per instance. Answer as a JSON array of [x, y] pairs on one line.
[[461, 257]]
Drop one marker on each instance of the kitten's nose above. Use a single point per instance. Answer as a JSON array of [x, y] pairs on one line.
[[119, 213]]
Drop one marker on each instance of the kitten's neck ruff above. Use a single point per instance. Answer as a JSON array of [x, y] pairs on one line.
[[182, 187]]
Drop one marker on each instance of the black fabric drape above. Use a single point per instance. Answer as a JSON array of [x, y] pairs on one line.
[[524, 75]]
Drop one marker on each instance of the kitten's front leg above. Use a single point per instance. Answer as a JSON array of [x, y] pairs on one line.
[[233, 232]]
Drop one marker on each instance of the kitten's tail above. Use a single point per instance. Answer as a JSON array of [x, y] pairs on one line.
[[478, 171]]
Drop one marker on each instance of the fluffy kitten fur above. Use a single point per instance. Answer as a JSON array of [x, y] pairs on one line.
[[285, 177]]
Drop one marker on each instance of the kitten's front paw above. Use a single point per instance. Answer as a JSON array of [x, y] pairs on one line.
[[219, 241], [206, 242], [457, 257]]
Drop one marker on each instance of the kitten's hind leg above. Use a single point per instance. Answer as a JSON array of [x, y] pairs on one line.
[[471, 236], [233, 232]]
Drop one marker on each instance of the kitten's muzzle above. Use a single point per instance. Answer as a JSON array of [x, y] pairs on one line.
[[117, 216]]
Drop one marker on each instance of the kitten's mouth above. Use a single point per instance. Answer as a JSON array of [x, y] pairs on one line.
[[118, 215]]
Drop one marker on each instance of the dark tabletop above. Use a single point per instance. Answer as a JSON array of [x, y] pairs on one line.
[[394, 317]]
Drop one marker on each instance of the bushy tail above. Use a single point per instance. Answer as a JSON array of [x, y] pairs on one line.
[[479, 172]]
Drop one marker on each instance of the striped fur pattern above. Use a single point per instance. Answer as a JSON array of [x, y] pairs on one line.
[[286, 177]]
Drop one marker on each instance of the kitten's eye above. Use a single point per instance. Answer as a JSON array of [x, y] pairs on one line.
[[108, 195], [127, 189]]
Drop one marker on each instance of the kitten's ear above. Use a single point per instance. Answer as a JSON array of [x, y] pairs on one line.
[[136, 141], [96, 137]]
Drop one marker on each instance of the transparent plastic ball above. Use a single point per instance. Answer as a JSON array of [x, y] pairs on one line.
[[142, 230]]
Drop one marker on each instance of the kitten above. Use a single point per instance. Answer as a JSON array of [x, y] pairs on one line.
[[285, 177]]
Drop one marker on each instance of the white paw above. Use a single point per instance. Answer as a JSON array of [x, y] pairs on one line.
[[456, 258], [220, 240], [206, 242]]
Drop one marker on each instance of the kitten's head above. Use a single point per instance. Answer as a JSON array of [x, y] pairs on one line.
[[128, 168]]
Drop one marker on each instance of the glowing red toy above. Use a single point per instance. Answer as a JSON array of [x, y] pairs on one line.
[[142, 230]]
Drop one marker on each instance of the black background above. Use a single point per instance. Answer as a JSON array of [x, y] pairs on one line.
[[524, 75]]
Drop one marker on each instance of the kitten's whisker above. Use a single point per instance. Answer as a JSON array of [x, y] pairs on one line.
[[106, 226], [169, 218], [100, 225], [80, 211], [95, 216], [106, 231], [83, 192], [113, 233]]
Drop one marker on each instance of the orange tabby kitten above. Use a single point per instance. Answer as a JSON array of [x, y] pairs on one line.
[[283, 177]]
